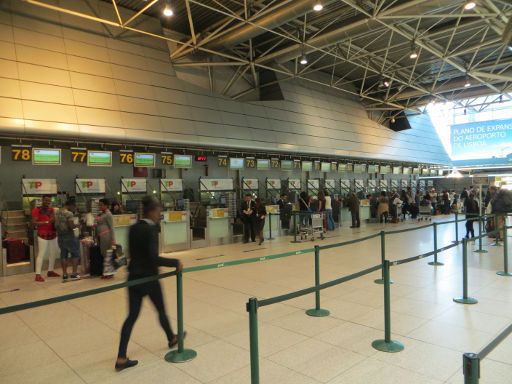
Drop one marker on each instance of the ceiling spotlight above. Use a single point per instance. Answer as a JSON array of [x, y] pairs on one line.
[[386, 83], [168, 10], [510, 48], [467, 83], [414, 54], [303, 60], [318, 6], [469, 5], [393, 120]]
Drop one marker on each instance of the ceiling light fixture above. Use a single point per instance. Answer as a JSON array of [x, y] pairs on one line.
[[168, 12], [469, 5], [414, 51], [386, 83], [303, 60], [467, 83], [393, 120], [318, 6]]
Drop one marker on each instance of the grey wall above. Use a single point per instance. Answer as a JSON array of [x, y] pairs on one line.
[[62, 76]]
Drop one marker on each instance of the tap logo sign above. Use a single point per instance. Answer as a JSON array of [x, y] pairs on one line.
[[39, 186], [171, 185], [134, 185], [90, 186]]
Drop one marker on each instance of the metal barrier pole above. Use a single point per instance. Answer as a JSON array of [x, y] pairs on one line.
[[317, 311], [382, 257], [435, 262], [387, 345], [181, 355], [471, 368], [505, 272], [270, 226], [294, 227], [252, 308], [465, 299], [480, 250], [456, 241]]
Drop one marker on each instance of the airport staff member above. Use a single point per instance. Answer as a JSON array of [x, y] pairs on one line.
[[144, 262], [43, 218], [248, 213]]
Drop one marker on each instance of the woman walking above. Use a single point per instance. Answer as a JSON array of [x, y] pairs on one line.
[[472, 211]]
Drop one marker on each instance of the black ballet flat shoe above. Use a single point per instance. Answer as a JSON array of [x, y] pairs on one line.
[[127, 364], [174, 342]]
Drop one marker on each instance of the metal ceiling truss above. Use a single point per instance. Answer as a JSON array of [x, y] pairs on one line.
[[352, 46]]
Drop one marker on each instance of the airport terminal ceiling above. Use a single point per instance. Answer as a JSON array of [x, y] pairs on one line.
[[364, 48]]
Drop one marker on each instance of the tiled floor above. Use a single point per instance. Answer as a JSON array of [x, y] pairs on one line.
[[76, 341]]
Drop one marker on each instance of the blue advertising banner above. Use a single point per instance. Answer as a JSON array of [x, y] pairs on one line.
[[479, 143]]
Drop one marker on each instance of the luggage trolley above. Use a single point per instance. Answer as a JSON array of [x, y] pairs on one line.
[[313, 228], [425, 213]]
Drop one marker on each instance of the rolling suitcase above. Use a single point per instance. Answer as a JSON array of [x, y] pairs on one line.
[[96, 261]]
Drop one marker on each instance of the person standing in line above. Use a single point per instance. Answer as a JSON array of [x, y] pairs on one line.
[[383, 207], [328, 211], [472, 211], [284, 211], [68, 242], [43, 218], [106, 238], [321, 209], [144, 262], [260, 213], [353, 206], [248, 217]]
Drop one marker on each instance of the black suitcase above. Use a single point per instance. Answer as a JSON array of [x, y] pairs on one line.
[[96, 266]]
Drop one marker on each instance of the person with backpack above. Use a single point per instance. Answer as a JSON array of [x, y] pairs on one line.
[[472, 211], [43, 218], [67, 240]]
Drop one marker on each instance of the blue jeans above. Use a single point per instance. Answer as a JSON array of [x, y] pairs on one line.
[[69, 247], [330, 220]]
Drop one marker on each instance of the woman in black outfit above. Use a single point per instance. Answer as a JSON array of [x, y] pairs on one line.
[[472, 210], [259, 224], [144, 262]]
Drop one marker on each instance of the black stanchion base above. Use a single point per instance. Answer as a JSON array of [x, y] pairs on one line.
[[318, 312], [465, 300], [381, 281], [503, 273], [480, 251], [436, 263], [180, 357]]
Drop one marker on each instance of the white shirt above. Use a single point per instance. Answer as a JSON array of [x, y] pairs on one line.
[[328, 202]]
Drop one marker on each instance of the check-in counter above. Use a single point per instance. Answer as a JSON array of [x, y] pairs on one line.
[[218, 227], [175, 231], [273, 222], [122, 224], [364, 210]]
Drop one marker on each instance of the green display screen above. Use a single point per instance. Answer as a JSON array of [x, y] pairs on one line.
[[307, 166], [263, 164], [46, 156], [397, 170], [342, 167], [350, 167], [182, 161], [372, 168], [99, 158], [236, 163], [359, 168], [416, 171], [325, 167], [384, 169], [287, 164], [407, 170], [144, 159]]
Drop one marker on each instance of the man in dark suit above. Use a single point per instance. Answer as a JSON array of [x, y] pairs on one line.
[[144, 262], [248, 214]]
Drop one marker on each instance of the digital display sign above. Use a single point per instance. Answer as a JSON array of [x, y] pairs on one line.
[[350, 167], [201, 158], [46, 156], [287, 165], [144, 159], [342, 167], [182, 161], [236, 162], [99, 158], [263, 164], [325, 167], [397, 170], [372, 168], [407, 170], [385, 169], [359, 168], [307, 166]]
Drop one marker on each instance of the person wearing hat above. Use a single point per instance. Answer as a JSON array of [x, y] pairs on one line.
[[144, 262]]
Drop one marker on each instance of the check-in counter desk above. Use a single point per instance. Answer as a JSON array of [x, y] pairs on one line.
[[218, 228], [122, 225], [273, 222], [175, 231]]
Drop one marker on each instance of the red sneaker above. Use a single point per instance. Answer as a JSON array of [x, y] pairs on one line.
[[39, 278], [52, 274]]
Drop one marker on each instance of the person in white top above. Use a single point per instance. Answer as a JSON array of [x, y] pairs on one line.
[[328, 210]]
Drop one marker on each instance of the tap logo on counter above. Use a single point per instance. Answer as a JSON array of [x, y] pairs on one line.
[[39, 186]]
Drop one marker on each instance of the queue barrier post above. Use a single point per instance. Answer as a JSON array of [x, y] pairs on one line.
[[387, 345], [456, 241], [252, 308], [435, 262], [295, 227], [181, 355], [505, 271], [382, 257], [471, 368], [465, 299], [270, 226], [480, 249], [317, 311]]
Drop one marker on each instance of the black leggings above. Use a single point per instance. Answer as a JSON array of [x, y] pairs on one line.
[[469, 228], [135, 296]]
